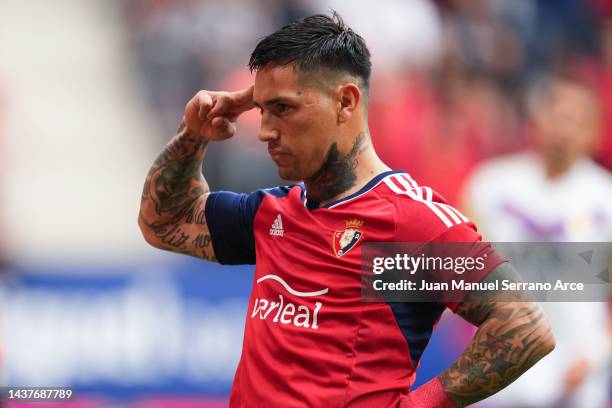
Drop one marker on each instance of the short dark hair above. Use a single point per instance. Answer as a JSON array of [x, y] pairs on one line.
[[313, 43]]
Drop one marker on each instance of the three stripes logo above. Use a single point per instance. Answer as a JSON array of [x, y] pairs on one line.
[[277, 227], [404, 184]]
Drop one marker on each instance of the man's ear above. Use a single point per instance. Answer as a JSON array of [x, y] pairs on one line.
[[349, 96]]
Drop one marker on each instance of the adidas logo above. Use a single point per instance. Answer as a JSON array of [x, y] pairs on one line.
[[277, 227]]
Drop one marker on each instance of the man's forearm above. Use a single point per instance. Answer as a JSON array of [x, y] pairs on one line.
[[172, 190], [512, 338]]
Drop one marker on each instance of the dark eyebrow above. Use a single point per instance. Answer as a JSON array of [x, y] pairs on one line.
[[273, 101]]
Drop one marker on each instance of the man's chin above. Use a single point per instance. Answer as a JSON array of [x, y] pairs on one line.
[[288, 174]]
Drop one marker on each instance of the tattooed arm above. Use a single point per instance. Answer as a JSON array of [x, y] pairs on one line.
[[511, 337], [172, 210]]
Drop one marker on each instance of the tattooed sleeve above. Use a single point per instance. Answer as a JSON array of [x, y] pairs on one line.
[[511, 337], [174, 198]]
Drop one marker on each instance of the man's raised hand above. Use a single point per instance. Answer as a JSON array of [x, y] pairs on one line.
[[212, 115]]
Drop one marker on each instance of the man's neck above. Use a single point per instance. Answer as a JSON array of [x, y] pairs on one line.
[[343, 175], [556, 168]]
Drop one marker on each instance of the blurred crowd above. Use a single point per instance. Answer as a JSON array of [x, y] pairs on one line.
[[450, 77]]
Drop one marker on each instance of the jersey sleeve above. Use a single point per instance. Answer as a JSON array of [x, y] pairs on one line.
[[467, 233], [437, 222], [230, 220]]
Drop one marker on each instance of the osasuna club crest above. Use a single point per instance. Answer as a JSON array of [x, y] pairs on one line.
[[346, 239]]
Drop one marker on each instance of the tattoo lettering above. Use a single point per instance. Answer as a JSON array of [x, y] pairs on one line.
[[196, 216], [201, 241], [173, 236], [172, 206]]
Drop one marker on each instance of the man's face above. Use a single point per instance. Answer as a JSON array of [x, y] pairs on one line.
[[566, 124], [299, 121]]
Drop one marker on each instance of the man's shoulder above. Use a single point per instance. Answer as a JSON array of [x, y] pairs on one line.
[[594, 175], [291, 190], [513, 168], [248, 204], [282, 191], [420, 212], [280, 198]]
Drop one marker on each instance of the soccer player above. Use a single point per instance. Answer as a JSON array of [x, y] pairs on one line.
[[309, 338], [555, 192]]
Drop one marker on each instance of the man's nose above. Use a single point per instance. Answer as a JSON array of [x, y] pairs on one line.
[[267, 134]]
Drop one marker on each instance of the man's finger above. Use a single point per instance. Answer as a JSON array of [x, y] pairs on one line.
[[205, 103], [191, 117], [242, 102], [244, 96], [222, 104], [223, 128]]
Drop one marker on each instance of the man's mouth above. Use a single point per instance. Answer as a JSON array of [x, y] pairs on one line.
[[278, 155]]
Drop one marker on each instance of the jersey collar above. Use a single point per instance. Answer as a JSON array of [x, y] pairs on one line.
[[369, 186]]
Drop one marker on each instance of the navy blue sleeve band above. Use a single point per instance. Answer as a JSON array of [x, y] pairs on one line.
[[230, 220]]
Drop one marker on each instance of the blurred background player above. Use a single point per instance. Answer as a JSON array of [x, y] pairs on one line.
[[554, 192]]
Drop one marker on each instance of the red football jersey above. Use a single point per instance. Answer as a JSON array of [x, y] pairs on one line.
[[309, 338]]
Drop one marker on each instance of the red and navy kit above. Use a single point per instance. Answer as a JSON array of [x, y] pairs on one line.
[[309, 339]]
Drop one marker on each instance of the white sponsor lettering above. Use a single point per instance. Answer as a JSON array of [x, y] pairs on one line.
[[290, 289], [286, 313]]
